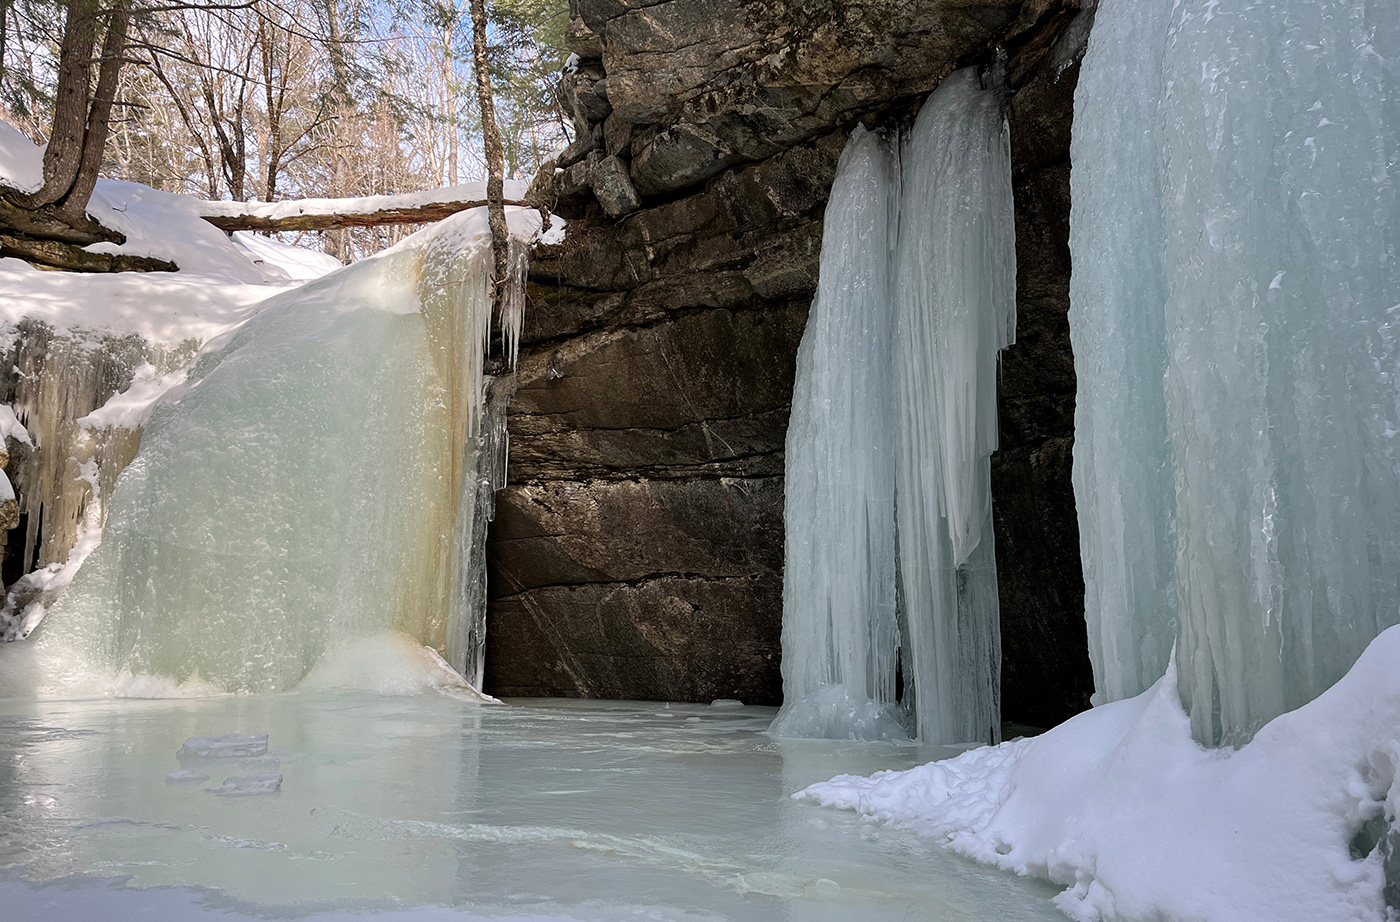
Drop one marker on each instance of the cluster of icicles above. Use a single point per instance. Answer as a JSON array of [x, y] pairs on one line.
[[890, 564]]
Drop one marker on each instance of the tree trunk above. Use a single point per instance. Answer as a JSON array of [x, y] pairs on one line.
[[64, 153], [330, 214], [73, 206], [491, 140]]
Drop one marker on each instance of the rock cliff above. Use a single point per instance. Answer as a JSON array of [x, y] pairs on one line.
[[638, 548]]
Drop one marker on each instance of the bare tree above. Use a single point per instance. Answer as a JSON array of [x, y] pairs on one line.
[[491, 142]]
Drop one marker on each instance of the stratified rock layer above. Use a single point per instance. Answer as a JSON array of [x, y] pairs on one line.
[[638, 548]]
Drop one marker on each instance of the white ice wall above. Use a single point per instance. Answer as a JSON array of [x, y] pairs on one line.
[[304, 491], [1272, 137]]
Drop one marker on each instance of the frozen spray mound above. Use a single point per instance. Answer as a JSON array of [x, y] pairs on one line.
[[896, 397], [391, 664], [316, 481], [1236, 242]]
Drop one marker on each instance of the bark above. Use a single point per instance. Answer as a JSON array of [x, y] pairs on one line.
[[53, 254], [491, 138], [47, 223], [253, 220], [73, 205], [64, 153]]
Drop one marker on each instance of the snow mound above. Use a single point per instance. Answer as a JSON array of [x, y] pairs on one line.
[[298, 263], [1138, 822], [392, 664]]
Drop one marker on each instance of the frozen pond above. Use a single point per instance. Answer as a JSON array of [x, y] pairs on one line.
[[430, 808]]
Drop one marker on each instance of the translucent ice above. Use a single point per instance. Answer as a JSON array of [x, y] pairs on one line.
[[1122, 473], [228, 746], [248, 785], [1235, 190], [186, 776], [315, 482], [888, 502], [839, 626], [956, 307]]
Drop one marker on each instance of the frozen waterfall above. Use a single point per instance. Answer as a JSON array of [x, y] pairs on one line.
[[319, 480], [840, 636], [1237, 266], [890, 561]]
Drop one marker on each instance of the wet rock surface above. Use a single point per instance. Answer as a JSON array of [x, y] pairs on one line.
[[637, 551]]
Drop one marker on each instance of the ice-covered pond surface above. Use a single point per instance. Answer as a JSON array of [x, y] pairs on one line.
[[431, 808]]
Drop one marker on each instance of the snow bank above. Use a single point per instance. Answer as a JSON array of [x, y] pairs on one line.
[[298, 263], [220, 284], [1138, 822]]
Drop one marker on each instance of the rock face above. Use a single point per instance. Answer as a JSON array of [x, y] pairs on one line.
[[638, 549]]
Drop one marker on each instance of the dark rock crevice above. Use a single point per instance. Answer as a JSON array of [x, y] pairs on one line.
[[638, 548]]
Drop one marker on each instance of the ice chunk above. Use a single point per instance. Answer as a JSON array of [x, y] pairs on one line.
[[248, 785], [228, 746], [726, 703], [186, 776]]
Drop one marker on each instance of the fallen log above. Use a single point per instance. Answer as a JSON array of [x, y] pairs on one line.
[[333, 214], [55, 254]]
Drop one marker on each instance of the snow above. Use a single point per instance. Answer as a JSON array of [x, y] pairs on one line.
[[299, 263], [1136, 821], [21, 161], [366, 204], [10, 426], [131, 408], [221, 282]]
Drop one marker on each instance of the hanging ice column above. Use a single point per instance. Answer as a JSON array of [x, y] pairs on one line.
[[1277, 128], [896, 397], [1122, 473], [315, 484], [840, 637], [956, 306]]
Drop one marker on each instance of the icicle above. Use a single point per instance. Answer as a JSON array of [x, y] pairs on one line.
[[487, 453], [1122, 457]]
